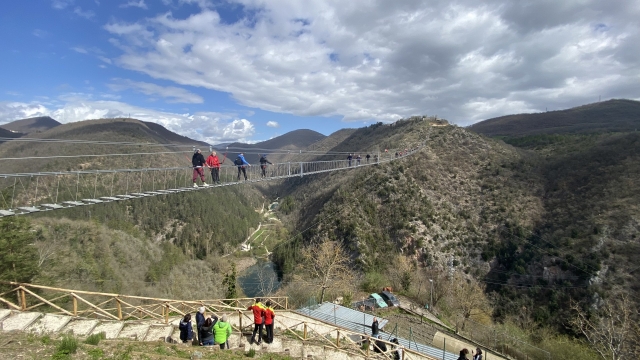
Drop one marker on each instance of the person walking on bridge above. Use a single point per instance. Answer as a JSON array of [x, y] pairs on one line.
[[198, 163], [241, 163], [263, 164], [350, 157], [214, 164]]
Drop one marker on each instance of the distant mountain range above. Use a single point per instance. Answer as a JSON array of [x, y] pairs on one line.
[[31, 125], [616, 115], [293, 140]]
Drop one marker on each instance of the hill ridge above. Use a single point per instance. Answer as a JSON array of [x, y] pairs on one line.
[[616, 115]]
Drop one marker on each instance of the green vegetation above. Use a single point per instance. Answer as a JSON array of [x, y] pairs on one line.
[[230, 283], [67, 346], [18, 256], [95, 338]]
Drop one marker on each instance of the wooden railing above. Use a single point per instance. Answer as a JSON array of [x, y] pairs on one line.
[[91, 304], [108, 306], [326, 334]]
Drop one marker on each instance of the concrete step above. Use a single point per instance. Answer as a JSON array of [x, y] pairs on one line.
[[110, 328], [81, 327], [134, 331], [19, 321], [48, 324]]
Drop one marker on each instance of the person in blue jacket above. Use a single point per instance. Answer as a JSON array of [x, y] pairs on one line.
[[199, 323], [241, 163], [186, 329]]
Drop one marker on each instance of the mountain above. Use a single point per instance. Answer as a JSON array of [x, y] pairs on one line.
[[130, 246], [116, 130], [616, 115], [538, 228], [4, 133], [293, 140], [32, 125]]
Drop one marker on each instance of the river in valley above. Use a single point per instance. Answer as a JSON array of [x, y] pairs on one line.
[[259, 279]]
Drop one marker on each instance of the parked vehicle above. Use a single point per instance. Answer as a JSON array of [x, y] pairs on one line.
[[373, 302], [390, 299]]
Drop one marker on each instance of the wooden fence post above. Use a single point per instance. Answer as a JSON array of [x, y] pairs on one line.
[[75, 305], [338, 339], [23, 299], [368, 344], [305, 331], [166, 313], [119, 306], [240, 321]]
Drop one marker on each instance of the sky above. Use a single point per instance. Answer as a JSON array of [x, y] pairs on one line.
[[249, 70]]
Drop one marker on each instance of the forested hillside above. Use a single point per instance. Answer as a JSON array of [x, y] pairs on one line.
[[154, 246], [537, 227]]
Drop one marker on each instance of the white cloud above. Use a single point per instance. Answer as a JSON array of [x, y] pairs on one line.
[[40, 33], [211, 127], [382, 60], [88, 14], [171, 93], [61, 4], [80, 50], [273, 124], [134, 3]]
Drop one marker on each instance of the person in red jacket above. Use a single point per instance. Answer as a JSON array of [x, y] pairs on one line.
[[214, 164], [269, 315], [258, 321]]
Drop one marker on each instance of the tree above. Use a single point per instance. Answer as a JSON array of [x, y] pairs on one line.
[[325, 265], [612, 330], [468, 298], [229, 282], [18, 255]]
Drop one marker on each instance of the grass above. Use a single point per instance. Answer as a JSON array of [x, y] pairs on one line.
[[95, 338], [67, 346]]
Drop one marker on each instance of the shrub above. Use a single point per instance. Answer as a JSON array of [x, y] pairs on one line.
[[95, 338], [373, 282], [67, 346]]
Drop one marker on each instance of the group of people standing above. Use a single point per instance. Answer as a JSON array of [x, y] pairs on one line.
[[209, 330], [263, 316], [213, 162], [476, 356], [380, 346]]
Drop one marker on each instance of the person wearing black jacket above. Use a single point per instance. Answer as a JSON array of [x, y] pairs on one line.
[[207, 330], [374, 327], [199, 323], [379, 346], [263, 164], [198, 163]]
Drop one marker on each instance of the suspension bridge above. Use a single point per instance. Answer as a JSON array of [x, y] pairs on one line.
[[25, 193]]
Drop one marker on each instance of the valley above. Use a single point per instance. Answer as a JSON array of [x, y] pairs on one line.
[[520, 231]]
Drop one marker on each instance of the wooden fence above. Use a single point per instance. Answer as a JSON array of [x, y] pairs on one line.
[[108, 306], [90, 304]]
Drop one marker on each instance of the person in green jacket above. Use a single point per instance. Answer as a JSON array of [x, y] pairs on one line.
[[222, 331]]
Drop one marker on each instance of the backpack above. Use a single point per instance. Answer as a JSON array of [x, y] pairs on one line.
[[238, 161]]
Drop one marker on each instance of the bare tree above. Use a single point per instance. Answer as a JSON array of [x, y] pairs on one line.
[[613, 330], [325, 265], [468, 298], [267, 281]]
